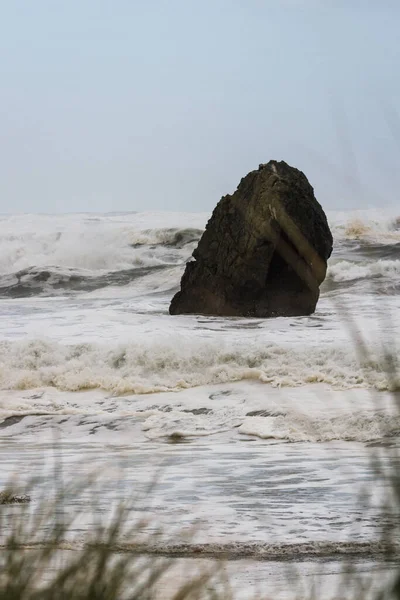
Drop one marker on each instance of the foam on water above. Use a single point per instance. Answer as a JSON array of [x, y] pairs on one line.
[[266, 426], [41, 254], [310, 414], [150, 366], [241, 550], [93, 242], [361, 427], [370, 225], [346, 270], [120, 338]]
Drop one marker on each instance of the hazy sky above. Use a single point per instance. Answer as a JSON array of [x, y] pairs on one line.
[[149, 105]]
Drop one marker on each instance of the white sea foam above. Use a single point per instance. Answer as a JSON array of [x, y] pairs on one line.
[[282, 551], [302, 415], [177, 363], [226, 402], [371, 225], [104, 243], [346, 270], [315, 414], [361, 427], [96, 243]]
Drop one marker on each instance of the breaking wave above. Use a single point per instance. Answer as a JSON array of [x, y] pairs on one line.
[[45, 255], [48, 255], [95, 244], [259, 551], [382, 275], [279, 551], [289, 424], [55, 280], [154, 365], [360, 427], [370, 226]]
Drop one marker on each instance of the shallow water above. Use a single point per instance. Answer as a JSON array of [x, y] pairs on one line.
[[237, 494]]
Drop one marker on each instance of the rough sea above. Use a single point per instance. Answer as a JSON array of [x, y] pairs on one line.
[[249, 439]]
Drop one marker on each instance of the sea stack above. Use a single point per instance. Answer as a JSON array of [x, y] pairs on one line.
[[264, 251]]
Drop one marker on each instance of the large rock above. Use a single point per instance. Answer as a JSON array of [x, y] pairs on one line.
[[264, 251]]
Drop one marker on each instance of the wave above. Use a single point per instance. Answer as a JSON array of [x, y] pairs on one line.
[[49, 254], [46, 255], [155, 364], [311, 415], [288, 424], [261, 551], [361, 427], [106, 243], [370, 226], [175, 237], [346, 271], [53, 280], [96, 245], [381, 276], [280, 551], [56, 280]]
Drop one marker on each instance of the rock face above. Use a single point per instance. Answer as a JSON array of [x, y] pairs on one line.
[[264, 251]]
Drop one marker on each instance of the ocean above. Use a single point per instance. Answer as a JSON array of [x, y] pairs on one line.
[[246, 439]]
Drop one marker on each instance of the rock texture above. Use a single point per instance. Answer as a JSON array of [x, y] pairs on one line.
[[264, 251]]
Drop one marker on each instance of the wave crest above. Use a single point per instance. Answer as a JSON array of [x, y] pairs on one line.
[[149, 366], [370, 226], [347, 271]]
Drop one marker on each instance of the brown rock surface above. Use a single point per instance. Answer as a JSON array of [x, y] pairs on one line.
[[264, 251]]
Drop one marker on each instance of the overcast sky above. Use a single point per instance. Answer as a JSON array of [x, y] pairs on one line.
[[149, 105]]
